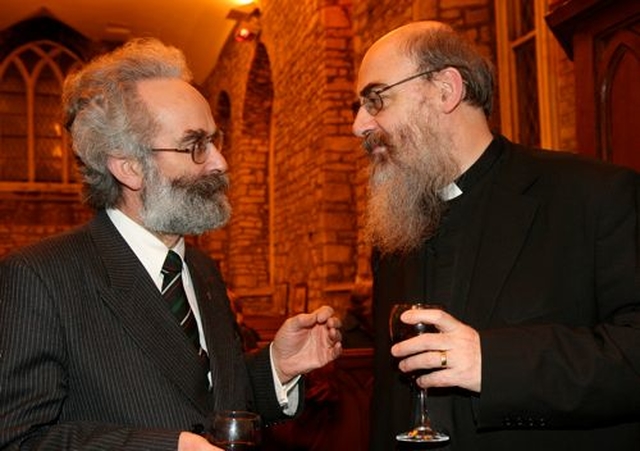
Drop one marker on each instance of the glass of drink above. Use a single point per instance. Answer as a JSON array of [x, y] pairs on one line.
[[236, 430], [422, 430]]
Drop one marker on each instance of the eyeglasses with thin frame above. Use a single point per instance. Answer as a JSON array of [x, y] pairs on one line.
[[372, 100], [199, 150]]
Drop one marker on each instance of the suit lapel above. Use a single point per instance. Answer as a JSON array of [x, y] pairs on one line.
[[135, 300], [225, 350], [509, 214]]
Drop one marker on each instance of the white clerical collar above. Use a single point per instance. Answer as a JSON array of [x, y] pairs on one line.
[[451, 191]]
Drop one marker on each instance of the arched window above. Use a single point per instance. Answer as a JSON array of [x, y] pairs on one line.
[[34, 151]]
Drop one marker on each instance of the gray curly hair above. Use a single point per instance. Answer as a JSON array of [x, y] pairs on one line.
[[107, 117]]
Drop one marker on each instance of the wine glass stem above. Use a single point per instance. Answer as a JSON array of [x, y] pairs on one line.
[[423, 415]]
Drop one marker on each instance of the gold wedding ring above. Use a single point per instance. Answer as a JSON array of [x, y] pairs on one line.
[[443, 359]]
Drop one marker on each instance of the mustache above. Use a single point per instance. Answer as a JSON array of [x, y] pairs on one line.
[[203, 186], [375, 139]]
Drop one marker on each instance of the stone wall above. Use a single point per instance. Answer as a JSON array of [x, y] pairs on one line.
[[26, 218], [298, 175], [310, 165], [316, 170]]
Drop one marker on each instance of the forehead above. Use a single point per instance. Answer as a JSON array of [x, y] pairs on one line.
[[176, 104], [384, 63]]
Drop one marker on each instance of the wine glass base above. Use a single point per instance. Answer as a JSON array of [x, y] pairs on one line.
[[422, 435]]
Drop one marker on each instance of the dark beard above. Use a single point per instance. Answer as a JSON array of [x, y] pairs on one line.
[[404, 206], [186, 205]]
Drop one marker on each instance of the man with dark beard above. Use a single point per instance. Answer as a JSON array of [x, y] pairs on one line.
[[118, 335], [533, 255]]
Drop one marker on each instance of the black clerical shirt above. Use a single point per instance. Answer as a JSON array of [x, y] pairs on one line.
[[457, 235]]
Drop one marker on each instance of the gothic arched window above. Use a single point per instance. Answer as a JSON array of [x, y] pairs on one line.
[[35, 154]]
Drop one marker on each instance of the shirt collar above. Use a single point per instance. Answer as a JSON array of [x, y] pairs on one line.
[[148, 248], [474, 173], [481, 167], [451, 191]]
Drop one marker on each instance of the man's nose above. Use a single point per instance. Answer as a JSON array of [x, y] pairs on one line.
[[363, 122], [217, 161]]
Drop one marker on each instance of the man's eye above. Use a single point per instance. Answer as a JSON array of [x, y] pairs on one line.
[[202, 144]]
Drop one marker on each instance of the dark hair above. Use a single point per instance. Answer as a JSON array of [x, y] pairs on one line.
[[440, 47]]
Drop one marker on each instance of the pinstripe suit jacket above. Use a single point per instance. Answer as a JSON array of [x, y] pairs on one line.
[[91, 358]]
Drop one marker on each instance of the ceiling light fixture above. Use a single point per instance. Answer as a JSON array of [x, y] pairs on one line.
[[248, 22]]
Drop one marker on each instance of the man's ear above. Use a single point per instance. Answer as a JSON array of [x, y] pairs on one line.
[[452, 89], [127, 171]]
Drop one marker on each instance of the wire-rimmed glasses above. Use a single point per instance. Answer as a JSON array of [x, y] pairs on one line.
[[199, 149], [371, 99]]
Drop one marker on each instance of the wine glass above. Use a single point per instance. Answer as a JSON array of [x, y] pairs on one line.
[[422, 430], [236, 430]]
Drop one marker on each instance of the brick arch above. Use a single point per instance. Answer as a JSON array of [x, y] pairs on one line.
[[223, 112], [259, 95], [249, 248]]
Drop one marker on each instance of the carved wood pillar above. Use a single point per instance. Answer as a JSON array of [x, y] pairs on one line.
[[602, 37]]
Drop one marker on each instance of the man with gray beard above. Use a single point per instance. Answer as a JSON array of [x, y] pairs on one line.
[[186, 205], [119, 335], [531, 256]]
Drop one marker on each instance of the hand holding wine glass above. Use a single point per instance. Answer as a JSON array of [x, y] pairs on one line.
[[422, 430]]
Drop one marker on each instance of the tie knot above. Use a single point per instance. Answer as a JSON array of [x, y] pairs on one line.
[[172, 264]]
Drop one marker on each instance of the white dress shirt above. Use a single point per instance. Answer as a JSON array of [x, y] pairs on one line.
[[152, 252]]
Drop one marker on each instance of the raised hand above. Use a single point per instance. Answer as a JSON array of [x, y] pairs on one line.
[[305, 342]]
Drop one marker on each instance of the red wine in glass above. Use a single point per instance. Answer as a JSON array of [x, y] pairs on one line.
[[236, 430], [422, 430]]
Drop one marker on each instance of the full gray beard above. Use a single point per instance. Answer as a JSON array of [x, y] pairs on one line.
[[185, 206], [404, 206]]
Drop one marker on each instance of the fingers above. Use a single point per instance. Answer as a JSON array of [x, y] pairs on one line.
[[335, 334], [323, 313], [326, 315], [319, 316], [335, 350], [461, 371], [429, 360], [440, 378], [421, 343], [334, 322], [438, 317], [305, 342], [440, 375], [455, 353]]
